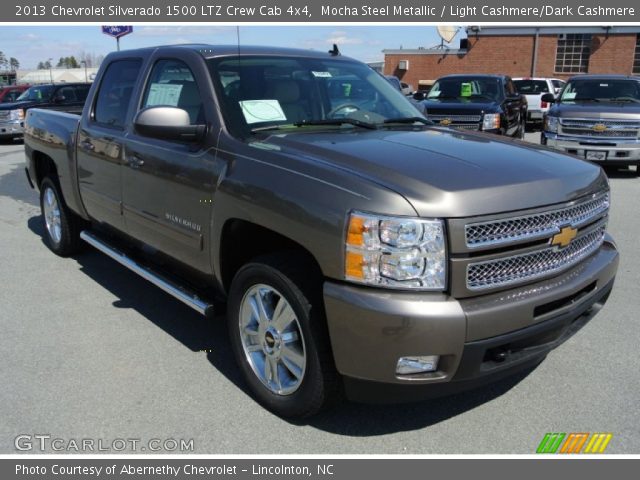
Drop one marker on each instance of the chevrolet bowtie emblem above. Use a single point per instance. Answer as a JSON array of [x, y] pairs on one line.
[[445, 121], [564, 237], [599, 127]]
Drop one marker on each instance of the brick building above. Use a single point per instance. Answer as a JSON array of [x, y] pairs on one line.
[[524, 51]]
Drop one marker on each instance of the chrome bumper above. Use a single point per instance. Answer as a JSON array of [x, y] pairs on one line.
[[616, 150], [14, 128]]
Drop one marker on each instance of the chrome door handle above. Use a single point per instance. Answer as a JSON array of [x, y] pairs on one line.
[[87, 145], [135, 161]]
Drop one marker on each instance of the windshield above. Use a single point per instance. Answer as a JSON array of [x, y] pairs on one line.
[[466, 88], [36, 94], [260, 92], [593, 90], [531, 87]]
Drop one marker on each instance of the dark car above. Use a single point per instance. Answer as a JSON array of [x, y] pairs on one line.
[[596, 117], [66, 97], [489, 103]]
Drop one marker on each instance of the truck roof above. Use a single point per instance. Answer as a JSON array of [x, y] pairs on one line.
[[213, 51], [605, 77], [474, 75]]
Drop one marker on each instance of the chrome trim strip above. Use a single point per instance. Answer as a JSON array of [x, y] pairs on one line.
[[185, 296], [533, 233], [541, 265]]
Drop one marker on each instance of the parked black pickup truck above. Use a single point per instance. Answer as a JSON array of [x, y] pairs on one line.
[[65, 97], [357, 246], [596, 117], [489, 103]]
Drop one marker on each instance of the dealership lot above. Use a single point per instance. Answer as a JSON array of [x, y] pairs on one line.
[[91, 351]]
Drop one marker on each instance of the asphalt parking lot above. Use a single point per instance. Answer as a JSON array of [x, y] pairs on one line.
[[90, 350]]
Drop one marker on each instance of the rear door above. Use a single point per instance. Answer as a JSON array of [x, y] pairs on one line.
[[100, 154], [168, 185]]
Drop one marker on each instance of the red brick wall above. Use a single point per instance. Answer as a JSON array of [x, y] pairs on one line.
[[513, 55]]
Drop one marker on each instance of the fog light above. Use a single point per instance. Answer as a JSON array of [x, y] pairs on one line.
[[407, 365]]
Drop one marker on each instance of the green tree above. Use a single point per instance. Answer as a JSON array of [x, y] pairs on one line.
[[14, 64], [3, 61], [41, 66]]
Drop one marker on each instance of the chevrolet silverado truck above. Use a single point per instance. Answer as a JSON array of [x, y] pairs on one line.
[[358, 248], [65, 97], [490, 103], [597, 117], [533, 89]]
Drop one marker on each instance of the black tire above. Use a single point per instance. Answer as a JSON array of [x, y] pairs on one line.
[[295, 280], [70, 224]]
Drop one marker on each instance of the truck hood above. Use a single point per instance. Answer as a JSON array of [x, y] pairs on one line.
[[602, 110], [459, 107], [445, 173], [15, 105]]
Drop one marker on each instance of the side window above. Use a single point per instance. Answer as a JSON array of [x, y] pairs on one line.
[[172, 84], [509, 88], [66, 94], [81, 92], [115, 92]]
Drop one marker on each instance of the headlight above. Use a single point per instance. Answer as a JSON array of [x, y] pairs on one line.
[[491, 121], [396, 252], [551, 124], [16, 115]]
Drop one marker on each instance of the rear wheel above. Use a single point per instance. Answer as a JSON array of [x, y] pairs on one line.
[[278, 332], [62, 226]]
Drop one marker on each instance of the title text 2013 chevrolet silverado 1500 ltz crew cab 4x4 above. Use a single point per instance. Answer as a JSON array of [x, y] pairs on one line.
[[359, 248], [597, 117]]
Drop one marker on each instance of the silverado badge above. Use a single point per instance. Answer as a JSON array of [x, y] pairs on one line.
[[445, 122], [564, 237], [599, 127]]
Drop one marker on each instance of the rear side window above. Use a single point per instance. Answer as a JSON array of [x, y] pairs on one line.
[[81, 92], [67, 94], [115, 92], [530, 87]]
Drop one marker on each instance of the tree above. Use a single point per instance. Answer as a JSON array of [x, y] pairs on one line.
[[41, 66], [3, 61], [14, 64]]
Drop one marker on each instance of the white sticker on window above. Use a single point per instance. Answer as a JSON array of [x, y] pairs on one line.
[[321, 74], [604, 84], [164, 94], [256, 111], [569, 96]]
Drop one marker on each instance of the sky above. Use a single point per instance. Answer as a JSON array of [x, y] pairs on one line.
[[34, 44]]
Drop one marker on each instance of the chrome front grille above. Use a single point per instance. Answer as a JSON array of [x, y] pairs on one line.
[[537, 225], [466, 122], [600, 128], [516, 269], [4, 114]]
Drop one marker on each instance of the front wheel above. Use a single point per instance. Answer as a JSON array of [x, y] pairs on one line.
[[279, 336]]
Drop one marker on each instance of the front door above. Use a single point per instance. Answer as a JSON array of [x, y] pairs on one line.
[[168, 185]]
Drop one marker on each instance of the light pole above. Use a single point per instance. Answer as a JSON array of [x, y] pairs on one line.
[[86, 78], [50, 69]]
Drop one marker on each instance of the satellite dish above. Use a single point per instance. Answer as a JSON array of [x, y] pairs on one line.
[[447, 32]]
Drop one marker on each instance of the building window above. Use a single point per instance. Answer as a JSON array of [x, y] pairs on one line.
[[636, 58], [572, 54]]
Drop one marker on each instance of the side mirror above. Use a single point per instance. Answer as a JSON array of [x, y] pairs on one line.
[[168, 123], [419, 96], [548, 97]]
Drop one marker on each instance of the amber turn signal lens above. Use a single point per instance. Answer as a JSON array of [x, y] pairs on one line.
[[356, 229], [354, 265]]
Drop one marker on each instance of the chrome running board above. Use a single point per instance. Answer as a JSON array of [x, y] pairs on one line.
[[184, 295]]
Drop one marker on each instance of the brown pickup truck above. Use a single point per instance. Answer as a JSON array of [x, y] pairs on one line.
[[359, 248]]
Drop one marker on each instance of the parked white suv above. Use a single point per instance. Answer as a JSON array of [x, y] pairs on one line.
[[533, 89]]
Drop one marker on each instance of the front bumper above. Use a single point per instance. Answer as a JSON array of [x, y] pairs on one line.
[[616, 151], [478, 339], [14, 128]]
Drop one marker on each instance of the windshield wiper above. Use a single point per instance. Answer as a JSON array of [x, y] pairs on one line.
[[271, 127], [338, 121], [408, 120], [583, 100], [625, 99]]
